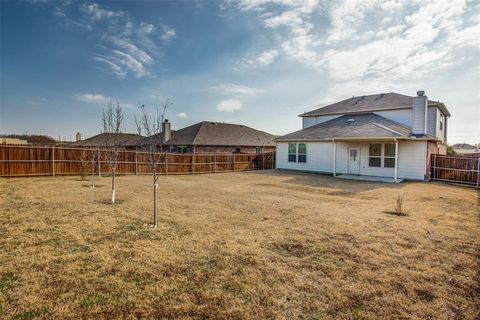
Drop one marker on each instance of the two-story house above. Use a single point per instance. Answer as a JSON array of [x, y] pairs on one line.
[[383, 135]]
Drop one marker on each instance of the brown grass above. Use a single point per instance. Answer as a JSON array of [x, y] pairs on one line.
[[238, 245]]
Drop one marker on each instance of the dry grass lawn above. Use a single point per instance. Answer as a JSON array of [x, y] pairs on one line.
[[238, 245]]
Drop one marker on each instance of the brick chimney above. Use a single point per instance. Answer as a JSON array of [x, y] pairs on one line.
[[166, 131], [420, 110]]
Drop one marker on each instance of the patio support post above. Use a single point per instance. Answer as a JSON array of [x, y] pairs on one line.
[[334, 158], [396, 160]]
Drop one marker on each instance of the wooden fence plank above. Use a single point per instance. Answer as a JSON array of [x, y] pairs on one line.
[[16, 161], [465, 170]]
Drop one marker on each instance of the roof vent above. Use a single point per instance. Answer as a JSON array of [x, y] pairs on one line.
[[350, 120], [421, 93]]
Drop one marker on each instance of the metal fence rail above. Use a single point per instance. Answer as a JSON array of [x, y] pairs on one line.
[[19, 161], [464, 170]]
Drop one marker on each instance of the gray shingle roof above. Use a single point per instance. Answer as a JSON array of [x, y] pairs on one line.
[[464, 146], [100, 140], [220, 134], [363, 125], [375, 102]]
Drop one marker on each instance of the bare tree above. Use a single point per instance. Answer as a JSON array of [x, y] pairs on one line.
[[151, 125], [87, 158], [112, 121]]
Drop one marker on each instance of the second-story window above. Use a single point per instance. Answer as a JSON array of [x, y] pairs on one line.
[[441, 122]]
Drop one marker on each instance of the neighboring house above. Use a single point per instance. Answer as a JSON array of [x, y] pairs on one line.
[[103, 139], [465, 148], [385, 135], [212, 137]]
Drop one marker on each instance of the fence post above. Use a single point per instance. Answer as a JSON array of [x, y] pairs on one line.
[[478, 171], [192, 166], [98, 159], [233, 166], [263, 161], [136, 163], [53, 160], [434, 166], [214, 163]]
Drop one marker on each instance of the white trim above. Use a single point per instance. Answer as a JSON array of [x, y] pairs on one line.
[[334, 158], [396, 161]]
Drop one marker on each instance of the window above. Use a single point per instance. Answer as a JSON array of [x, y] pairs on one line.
[[292, 152], [381, 155], [441, 122], [302, 152], [353, 154], [181, 149], [237, 150], [389, 155], [375, 155], [258, 150]]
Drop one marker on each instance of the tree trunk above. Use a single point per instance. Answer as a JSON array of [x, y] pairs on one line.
[[113, 187], [154, 198]]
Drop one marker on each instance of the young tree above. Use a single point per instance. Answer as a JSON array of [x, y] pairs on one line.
[[151, 125], [87, 158], [112, 121]]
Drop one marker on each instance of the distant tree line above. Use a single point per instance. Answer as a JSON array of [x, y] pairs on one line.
[[31, 138]]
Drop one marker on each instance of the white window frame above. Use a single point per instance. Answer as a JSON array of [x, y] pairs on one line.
[[389, 157], [301, 154], [382, 156], [376, 157], [289, 153]]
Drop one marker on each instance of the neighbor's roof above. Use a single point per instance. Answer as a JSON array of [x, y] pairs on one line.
[[464, 146], [148, 140], [102, 139], [370, 103], [220, 134], [366, 125]]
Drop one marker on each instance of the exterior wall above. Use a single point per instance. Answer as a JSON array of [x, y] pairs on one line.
[[216, 149], [432, 124], [402, 116], [311, 121], [419, 115], [412, 157]]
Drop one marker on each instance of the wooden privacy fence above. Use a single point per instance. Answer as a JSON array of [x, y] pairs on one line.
[[457, 169], [18, 161]]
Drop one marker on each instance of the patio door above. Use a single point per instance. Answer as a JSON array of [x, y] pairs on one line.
[[353, 160]]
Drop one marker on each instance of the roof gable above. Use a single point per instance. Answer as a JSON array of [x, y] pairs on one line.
[[351, 126]]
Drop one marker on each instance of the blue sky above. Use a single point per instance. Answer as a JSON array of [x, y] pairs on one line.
[[255, 62]]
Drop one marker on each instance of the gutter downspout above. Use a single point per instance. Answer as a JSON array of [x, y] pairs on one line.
[[334, 158], [396, 161]]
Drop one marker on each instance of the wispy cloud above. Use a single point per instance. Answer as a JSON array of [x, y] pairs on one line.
[[371, 42], [182, 115], [126, 47], [236, 89], [230, 105], [168, 33], [93, 98], [258, 60]]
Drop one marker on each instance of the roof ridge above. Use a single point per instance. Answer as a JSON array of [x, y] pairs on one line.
[[388, 129]]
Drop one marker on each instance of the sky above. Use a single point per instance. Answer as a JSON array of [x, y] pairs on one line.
[[253, 62]]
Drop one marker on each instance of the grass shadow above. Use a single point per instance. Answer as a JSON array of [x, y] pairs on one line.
[[108, 201]]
